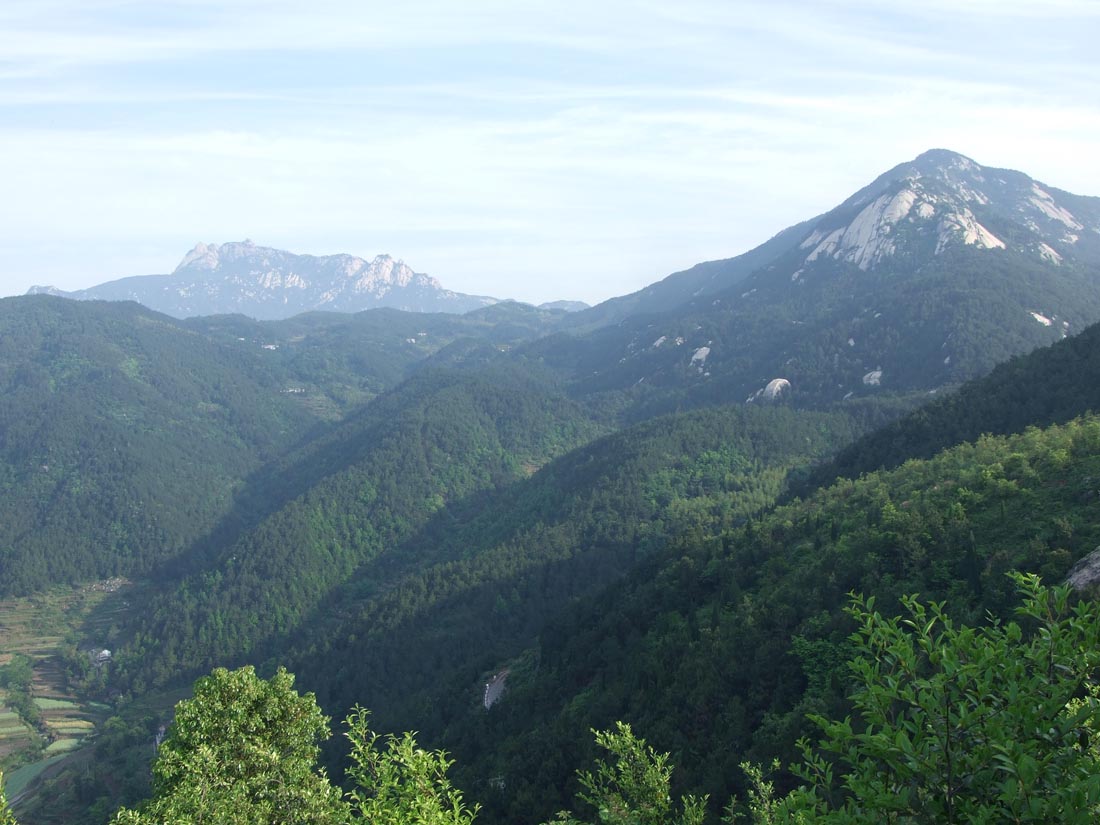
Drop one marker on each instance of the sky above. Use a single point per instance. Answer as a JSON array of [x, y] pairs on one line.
[[528, 150]]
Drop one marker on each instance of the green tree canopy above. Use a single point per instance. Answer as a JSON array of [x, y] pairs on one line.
[[242, 751]]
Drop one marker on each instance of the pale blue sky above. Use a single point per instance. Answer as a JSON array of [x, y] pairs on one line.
[[534, 150]]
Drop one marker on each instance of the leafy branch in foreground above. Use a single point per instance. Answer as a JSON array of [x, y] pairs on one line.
[[958, 724], [402, 784], [634, 788], [5, 812]]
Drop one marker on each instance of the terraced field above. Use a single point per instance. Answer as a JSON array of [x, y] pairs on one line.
[[16, 736], [64, 722], [46, 720]]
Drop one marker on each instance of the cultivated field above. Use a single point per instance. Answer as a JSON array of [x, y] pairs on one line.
[[49, 720]]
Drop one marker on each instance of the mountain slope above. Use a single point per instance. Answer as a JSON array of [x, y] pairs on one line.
[[347, 498], [268, 284], [718, 648], [122, 437], [1048, 386], [927, 277], [480, 580], [680, 288], [939, 189]]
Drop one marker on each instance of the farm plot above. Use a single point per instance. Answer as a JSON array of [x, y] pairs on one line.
[[16, 736], [40, 716]]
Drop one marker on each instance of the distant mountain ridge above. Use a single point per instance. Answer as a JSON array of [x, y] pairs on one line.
[[272, 284]]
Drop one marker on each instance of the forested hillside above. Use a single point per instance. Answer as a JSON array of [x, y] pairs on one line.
[[1048, 386], [450, 592], [333, 362], [722, 638], [438, 439], [718, 647], [126, 435], [123, 437], [481, 580], [435, 520]]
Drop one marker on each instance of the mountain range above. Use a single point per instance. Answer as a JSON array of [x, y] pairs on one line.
[[583, 507], [270, 284]]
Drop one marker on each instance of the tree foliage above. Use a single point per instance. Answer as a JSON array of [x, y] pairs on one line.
[[957, 724], [398, 782], [6, 817], [243, 751], [632, 789]]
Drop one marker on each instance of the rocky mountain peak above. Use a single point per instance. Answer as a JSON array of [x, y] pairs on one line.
[[942, 199], [944, 161], [201, 256], [45, 289], [949, 169]]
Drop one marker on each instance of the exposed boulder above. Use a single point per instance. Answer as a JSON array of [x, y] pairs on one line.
[[1086, 572], [772, 391]]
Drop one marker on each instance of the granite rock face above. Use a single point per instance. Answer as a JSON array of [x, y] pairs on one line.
[[1086, 572]]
